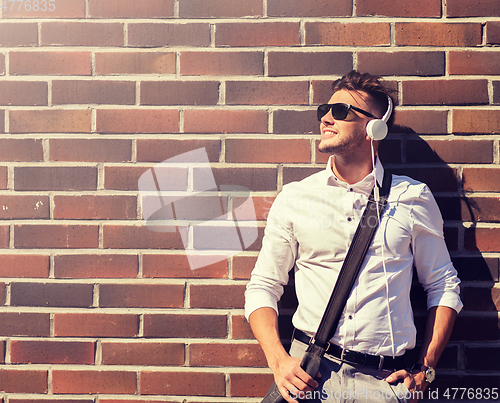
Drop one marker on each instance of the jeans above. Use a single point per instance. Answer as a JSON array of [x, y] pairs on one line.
[[345, 383]]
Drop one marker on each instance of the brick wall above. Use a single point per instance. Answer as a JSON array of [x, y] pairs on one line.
[[97, 308]]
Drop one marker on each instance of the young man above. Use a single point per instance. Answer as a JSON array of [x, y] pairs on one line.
[[310, 227]]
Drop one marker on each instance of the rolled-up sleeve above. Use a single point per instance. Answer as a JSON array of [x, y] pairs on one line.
[[276, 258], [432, 260]]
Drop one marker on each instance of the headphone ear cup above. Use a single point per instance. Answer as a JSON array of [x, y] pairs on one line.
[[376, 129]]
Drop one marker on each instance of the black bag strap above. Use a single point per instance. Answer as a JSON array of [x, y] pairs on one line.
[[352, 263]]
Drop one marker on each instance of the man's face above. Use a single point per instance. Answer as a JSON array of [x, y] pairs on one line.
[[346, 137]]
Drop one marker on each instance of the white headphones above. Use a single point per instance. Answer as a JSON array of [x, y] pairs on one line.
[[377, 128]]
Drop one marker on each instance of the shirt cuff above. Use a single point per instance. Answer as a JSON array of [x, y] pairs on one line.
[[450, 300], [258, 299]]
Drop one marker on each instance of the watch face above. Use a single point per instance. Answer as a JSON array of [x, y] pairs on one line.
[[430, 374]]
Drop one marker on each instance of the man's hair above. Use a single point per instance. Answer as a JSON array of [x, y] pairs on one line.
[[372, 85]]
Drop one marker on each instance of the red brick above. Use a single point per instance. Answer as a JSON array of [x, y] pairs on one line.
[[137, 121], [93, 92], [439, 179], [4, 236], [168, 34], [485, 299], [51, 352], [481, 209], [23, 93], [267, 93], [450, 151], [52, 295], [94, 207], [404, 63], [241, 328], [226, 355], [179, 92], [21, 150], [476, 121], [222, 63], [493, 32], [466, 328], [225, 121], [3, 299], [217, 296], [482, 239], [24, 324], [260, 211], [51, 400], [95, 325], [101, 400], [481, 179], [268, 151], [24, 266], [92, 150], [50, 63], [308, 8], [177, 266], [23, 381], [139, 237], [3, 177], [474, 63], [220, 9], [141, 295], [24, 207], [423, 121], [352, 34], [143, 353], [96, 266], [182, 383], [92, 382], [445, 92], [50, 121], [134, 63], [243, 266], [185, 326], [158, 150], [131, 9], [413, 9], [47, 9], [82, 33], [250, 385], [55, 178], [482, 358], [18, 34], [257, 34], [56, 236], [126, 178], [2, 121], [2, 64], [438, 34], [296, 122], [480, 8], [308, 63], [254, 179]]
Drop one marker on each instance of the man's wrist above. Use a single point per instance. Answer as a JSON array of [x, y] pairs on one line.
[[428, 372]]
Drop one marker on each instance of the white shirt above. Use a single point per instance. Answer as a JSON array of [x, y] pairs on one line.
[[310, 227]]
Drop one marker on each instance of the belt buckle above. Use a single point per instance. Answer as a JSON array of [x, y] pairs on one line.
[[342, 353]]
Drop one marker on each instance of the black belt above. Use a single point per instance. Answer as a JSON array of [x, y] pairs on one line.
[[353, 357]]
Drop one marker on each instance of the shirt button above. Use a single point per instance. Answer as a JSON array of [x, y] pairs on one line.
[[350, 316], [351, 190], [349, 219]]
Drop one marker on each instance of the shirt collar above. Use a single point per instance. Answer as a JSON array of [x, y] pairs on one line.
[[363, 186]]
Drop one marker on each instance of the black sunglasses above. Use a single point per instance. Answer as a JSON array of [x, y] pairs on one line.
[[340, 111]]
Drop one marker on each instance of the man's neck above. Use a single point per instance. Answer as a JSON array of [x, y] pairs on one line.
[[350, 171]]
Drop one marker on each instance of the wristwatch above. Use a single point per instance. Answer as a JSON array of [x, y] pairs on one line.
[[429, 372]]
